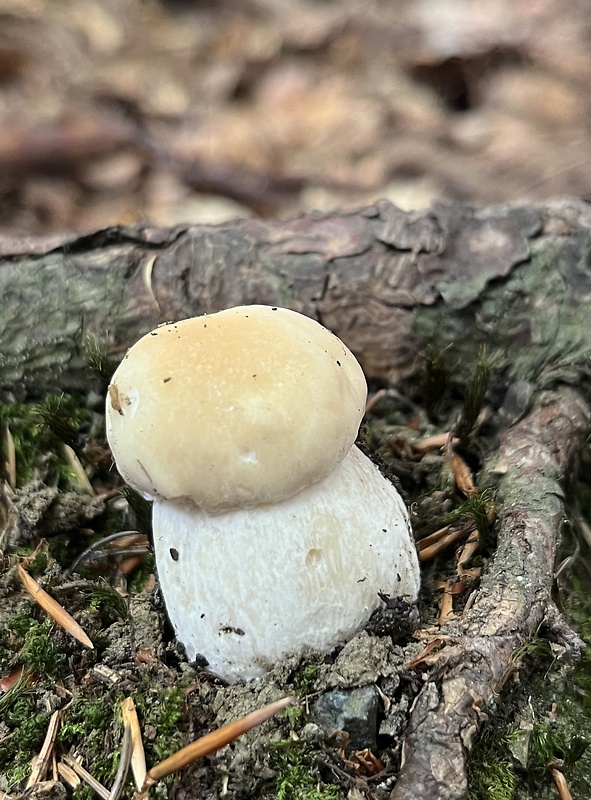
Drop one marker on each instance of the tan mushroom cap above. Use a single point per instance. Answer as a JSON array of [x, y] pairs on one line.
[[246, 406]]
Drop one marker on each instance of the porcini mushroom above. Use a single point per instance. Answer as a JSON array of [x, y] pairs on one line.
[[272, 531]]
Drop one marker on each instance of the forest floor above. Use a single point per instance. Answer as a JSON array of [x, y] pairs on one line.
[[116, 111]]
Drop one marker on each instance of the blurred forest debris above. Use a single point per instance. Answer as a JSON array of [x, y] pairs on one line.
[[116, 111]]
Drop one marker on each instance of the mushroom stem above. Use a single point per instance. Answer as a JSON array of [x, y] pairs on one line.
[[249, 586]]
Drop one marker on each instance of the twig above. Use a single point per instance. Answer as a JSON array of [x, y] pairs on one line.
[[514, 597], [124, 762], [90, 551], [41, 761], [560, 783]]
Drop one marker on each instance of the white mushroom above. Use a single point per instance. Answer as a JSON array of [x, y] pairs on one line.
[[272, 531]]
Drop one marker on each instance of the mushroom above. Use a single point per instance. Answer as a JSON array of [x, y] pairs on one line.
[[272, 531]]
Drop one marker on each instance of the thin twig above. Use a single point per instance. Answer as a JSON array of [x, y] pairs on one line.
[[41, 761], [86, 555], [124, 762]]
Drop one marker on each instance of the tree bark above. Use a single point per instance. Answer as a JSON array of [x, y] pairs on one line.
[[516, 279], [387, 282]]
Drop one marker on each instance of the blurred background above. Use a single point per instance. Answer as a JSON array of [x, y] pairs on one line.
[[119, 111]]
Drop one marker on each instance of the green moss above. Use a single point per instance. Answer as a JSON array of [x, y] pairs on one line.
[[295, 715], [162, 710], [100, 364], [62, 416], [294, 764], [479, 508], [102, 597], [305, 677], [27, 727], [38, 564], [491, 770], [33, 645], [93, 728], [38, 430], [559, 708], [474, 395], [140, 508]]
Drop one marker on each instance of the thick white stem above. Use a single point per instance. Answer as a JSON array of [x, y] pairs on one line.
[[247, 587]]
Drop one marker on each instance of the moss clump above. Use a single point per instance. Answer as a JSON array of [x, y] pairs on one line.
[[33, 646], [38, 430], [98, 360], [558, 733], [491, 770], [92, 727], [26, 730], [294, 764], [305, 677], [474, 395], [162, 711], [103, 598]]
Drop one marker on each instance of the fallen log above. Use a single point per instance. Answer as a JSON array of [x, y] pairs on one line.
[[387, 282]]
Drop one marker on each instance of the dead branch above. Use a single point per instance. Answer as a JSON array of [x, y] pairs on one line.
[[514, 598]]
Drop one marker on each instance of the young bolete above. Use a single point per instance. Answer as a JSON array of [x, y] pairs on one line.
[[272, 531]]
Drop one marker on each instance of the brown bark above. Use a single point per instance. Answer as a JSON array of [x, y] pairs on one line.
[[387, 282]]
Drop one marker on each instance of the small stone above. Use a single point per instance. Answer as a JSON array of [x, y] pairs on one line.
[[352, 710]]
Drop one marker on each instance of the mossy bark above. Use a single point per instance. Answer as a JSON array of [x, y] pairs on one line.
[[388, 283]]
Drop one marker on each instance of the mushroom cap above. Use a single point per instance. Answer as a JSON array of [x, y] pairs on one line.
[[234, 409]]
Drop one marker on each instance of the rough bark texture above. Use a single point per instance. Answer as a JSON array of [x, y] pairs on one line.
[[513, 599], [387, 282]]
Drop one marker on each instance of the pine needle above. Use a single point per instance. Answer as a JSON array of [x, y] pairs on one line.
[[53, 608], [138, 758], [212, 742]]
